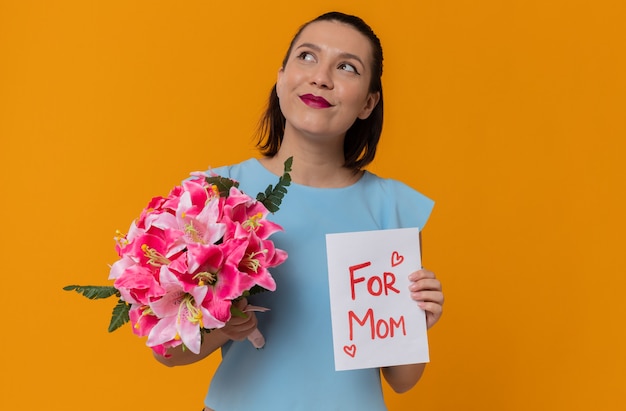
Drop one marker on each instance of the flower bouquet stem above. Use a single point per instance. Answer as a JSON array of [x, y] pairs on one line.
[[255, 337]]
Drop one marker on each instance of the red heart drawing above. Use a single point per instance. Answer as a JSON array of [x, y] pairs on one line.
[[396, 259], [350, 350]]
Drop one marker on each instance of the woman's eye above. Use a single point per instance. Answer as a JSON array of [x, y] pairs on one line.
[[348, 67], [306, 56]]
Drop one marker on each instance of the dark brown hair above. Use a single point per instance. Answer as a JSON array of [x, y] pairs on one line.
[[362, 137]]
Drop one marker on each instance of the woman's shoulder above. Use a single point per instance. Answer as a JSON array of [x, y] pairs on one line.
[[399, 204], [390, 185]]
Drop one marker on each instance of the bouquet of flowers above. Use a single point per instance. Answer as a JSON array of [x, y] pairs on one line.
[[189, 256]]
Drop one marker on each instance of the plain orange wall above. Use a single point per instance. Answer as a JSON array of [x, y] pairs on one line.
[[511, 114]]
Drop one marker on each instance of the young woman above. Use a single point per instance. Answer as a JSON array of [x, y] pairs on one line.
[[326, 112]]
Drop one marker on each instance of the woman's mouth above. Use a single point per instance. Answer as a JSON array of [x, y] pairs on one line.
[[314, 101]]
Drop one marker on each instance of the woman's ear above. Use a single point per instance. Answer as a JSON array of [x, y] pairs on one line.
[[370, 104]]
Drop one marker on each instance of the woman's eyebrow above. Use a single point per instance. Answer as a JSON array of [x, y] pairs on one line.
[[344, 55]]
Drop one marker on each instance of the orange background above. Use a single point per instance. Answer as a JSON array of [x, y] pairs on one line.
[[511, 114]]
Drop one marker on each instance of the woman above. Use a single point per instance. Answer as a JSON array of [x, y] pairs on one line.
[[326, 112]]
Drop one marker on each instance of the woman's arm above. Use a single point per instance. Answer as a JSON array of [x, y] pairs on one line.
[[402, 378], [179, 356], [237, 328], [426, 291]]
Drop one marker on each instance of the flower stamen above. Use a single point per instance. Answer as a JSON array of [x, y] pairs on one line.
[[205, 278], [145, 310], [193, 233], [194, 315], [253, 223], [251, 262], [155, 258], [120, 239]]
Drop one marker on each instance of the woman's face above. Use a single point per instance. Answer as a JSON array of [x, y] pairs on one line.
[[324, 87]]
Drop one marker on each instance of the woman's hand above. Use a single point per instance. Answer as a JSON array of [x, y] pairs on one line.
[[238, 328], [426, 290]]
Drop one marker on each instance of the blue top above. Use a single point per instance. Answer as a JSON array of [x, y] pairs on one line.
[[295, 370]]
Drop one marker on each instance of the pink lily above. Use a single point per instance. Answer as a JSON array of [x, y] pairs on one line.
[[171, 202], [216, 267], [200, 190], [220, 265], [142, 319], [138, 285], [259, 256], [241, 210], [200, 223], [160, 205], [181, 317], [123, 241]]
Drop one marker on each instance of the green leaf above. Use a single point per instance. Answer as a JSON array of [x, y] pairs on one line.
[[120, 315], [273, 196], [256, 289], [237, 312], [93, 292], [223, 184]]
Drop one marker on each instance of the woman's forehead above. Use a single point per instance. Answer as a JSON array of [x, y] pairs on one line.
[[335, 36]]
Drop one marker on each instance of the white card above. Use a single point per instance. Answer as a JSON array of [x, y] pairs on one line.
[[375, 322]]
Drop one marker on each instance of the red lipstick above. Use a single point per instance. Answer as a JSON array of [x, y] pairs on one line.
[[315, 101]]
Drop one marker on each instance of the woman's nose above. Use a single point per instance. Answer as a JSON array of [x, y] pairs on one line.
[[322, 77]]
